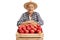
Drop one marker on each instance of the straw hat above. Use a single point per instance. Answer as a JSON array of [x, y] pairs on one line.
[[26, 5]]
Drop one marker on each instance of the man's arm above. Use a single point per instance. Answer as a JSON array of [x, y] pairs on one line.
[[40, 21], [20, 20]]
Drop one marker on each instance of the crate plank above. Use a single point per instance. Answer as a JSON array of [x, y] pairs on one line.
[[29, 36]]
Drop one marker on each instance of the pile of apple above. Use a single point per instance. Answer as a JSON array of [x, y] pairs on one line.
[[29, 28]]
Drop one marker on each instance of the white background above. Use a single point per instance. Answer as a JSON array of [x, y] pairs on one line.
[[11, 10]]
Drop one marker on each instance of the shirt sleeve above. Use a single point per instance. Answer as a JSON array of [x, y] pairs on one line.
[[20, 20], [40, 21]]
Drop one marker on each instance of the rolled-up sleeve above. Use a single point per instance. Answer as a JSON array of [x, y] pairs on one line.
[[20, 20], [40, 21]]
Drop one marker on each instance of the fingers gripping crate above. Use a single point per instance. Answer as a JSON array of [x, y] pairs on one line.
[[29, 36]]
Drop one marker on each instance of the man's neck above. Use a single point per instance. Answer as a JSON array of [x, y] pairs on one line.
[[30, 13]]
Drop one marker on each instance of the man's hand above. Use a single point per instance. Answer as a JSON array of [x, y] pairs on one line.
[[31, 22]]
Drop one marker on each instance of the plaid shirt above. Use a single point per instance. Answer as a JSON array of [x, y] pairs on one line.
[[35, 16]]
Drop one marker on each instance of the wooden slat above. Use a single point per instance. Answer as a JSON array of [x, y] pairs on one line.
[[29, 35]]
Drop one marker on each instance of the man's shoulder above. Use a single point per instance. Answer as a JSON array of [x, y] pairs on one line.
[[36, 13], [25, 14]]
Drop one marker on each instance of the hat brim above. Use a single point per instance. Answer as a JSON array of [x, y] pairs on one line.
[[26, 5]]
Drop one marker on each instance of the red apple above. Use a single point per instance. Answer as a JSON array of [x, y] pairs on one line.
[[32, 26], [39, 28], [26, 31], [28, 28], [18, 31], [21, 31], [38, 31], [32, 31], [24, 28], [29, 25], [38, 25], [19, 26], [35, 26]]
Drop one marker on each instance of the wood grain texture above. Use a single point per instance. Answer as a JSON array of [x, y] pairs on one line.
[[29, 36]]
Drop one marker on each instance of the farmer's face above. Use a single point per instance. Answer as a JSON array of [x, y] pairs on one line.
[[30, 7]]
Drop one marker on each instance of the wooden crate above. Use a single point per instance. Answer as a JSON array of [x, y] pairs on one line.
[[29, 36]]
